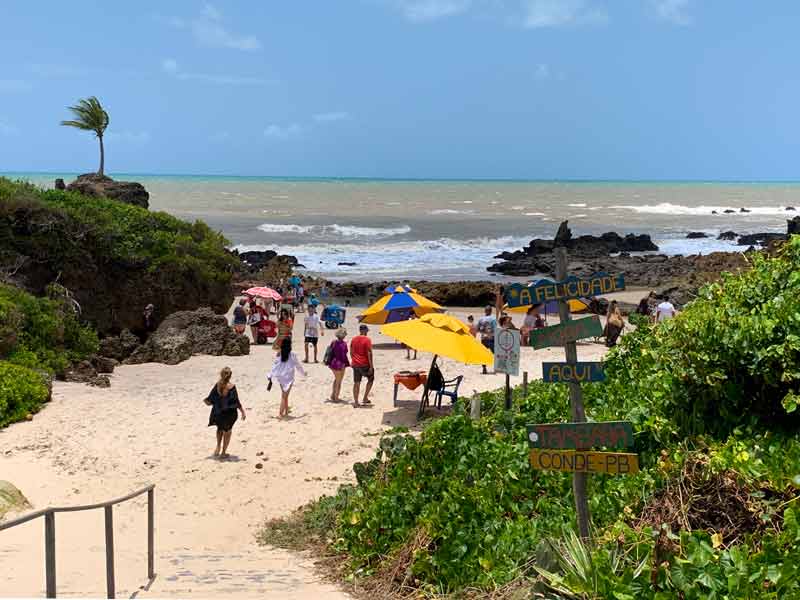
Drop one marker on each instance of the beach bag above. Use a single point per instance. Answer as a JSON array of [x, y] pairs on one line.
[[328, 356]]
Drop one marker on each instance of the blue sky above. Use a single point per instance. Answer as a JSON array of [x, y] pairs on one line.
[[541, 89]]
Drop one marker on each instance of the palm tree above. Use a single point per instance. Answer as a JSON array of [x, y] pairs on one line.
[[90, 116]]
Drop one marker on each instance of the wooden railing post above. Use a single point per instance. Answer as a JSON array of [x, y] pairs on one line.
[[151, 534], [109, 551], [50, 553], [524, 384]]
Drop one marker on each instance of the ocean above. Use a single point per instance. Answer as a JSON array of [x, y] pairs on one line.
[[450, 230]]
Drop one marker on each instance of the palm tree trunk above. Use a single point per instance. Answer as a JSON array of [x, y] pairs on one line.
[[100, 171]]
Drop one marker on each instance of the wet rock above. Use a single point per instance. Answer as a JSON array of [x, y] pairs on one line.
[[728, 235], [729, 211], [102, 186], [713, 212], [694, 235], [185, 333], [793, 226], [119, 347], [760, 239], [347, 264], [743, 210], [790, 208], [11, 499]]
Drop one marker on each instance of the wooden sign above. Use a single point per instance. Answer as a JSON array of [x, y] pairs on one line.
[[506, 351], [569, 331], [585, 461], [578, 372], [608, 434], [545, 290]]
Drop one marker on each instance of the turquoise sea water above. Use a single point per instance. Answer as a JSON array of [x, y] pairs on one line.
[[447, 229]]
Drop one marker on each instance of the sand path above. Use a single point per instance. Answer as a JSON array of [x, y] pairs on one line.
[[90, 445]]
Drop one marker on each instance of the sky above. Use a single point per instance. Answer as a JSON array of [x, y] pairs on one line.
[[523, 89]]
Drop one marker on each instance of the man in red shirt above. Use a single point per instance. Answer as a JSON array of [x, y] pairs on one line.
[[361, 360]]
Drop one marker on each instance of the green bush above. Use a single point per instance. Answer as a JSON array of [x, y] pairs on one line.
[[41, 333], [22, 391]]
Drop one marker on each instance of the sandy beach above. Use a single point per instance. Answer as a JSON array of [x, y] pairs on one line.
[[91, 444]]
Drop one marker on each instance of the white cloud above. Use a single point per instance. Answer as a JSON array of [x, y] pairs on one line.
[[12, 86], [208, 30], [430, 10], [328, 117], [562, 13], [132, 137], [171, 67], [7, 129], [673, 11], [283, 132]]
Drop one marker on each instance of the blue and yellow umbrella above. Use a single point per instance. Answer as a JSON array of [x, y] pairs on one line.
[[399, 304]]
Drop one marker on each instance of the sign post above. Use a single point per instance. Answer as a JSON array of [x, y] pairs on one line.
[[506, 357]]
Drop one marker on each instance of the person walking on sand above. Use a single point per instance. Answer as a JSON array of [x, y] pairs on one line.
[[473, 329], [254, 318], [665, 310], [487, 325], [283, 370], [363, 365], [285, 324], [313, 331], [338, 361], [224, 402]]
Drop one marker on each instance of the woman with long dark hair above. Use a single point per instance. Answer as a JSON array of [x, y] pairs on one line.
[[283, 370], [224, 402], [614, 324]]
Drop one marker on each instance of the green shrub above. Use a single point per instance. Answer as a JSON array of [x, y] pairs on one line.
[[22, 391]]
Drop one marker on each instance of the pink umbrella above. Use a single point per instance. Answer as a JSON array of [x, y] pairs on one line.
[[264, 292]]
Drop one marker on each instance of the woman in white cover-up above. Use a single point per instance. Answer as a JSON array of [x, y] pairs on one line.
[[283, 370]]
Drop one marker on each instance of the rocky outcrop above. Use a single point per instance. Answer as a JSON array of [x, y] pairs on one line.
[[760, 239], [793, 226], [728, 235], [84, 372], [185, 333], [119, 347], [11, 499], [101, 186], [695, 235]]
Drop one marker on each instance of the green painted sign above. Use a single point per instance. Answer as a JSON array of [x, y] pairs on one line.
[[581, 436], [585, 461], [579, 372], [545, 290], [569, 331]]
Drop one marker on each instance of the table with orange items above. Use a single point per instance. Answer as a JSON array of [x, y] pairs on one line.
[[410, 380]]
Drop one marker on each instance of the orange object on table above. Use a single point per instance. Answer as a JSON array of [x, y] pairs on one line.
[[411, 379]]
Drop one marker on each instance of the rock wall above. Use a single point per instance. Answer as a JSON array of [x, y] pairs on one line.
[[101, 186]]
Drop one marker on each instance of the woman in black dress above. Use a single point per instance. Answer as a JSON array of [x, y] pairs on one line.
[[224, 402]]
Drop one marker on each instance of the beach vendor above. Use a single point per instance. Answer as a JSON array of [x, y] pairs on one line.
[[285, 324], [225, 407], [240, 317], [283, 371]]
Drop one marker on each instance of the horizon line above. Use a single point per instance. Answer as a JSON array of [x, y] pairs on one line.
[[367, 178]]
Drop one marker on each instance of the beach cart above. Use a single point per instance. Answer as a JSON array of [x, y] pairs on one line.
[[333, 316]]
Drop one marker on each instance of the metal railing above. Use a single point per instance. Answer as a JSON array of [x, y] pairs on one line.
[[49, 515]]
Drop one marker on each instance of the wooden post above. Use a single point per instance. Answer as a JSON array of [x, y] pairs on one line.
[[525, 384], [576, 402], [508, 391], [151, 573], [50, 553], [110, 593], [475, 407]]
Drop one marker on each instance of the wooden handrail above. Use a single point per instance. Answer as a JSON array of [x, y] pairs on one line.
[[50, 535]]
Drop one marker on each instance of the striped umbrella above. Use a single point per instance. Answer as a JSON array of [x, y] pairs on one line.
[[399, 304], [263, 292]]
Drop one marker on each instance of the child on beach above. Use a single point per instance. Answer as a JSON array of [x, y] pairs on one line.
[[283, 370], [337, 360], [224, 402], [313, 330]]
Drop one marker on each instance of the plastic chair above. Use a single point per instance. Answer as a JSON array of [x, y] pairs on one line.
[[449, 389]]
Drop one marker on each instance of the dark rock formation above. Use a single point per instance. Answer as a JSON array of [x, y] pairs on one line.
[[728, 235], [129, 192], [743, 210], [729, 211], [185, 333], [103, 364], [790, 208], [760, 239], [119, 347], [60, 184], [84, 372], [694, 235], [793, 226], [347, 264]]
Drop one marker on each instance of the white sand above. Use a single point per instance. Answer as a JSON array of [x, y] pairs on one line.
[[90, 445]]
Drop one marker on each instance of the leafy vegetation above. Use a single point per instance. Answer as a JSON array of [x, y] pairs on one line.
[[713, 513], [22, 391], [90, 116]]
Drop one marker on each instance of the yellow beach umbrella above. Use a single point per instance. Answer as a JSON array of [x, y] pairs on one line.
[[400, 304], [441, 335]]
